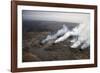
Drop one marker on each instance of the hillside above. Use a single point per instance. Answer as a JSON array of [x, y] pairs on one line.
[[34, 51]]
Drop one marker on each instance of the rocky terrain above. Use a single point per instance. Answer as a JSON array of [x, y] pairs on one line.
[[34, 51]]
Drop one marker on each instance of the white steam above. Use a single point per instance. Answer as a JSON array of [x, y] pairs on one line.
[[73, 32], [60, 32], [83, 37], [81, 31]]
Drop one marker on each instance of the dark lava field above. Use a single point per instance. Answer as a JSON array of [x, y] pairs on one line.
[[33, 51]]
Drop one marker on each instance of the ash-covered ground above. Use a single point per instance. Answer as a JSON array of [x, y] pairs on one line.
[[34, 51]]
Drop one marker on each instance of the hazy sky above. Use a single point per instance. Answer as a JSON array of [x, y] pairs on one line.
[[56, 16]]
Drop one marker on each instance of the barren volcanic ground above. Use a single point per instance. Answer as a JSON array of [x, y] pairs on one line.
[[34, 51]]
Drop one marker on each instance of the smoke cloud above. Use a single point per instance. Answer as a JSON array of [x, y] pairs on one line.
[[81, 31], [59, 33]]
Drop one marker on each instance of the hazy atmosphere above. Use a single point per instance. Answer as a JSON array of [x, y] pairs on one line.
[[41, 29]]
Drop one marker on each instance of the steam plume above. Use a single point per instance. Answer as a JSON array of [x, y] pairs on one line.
[[81, 31]]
